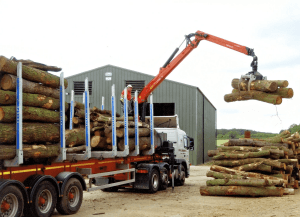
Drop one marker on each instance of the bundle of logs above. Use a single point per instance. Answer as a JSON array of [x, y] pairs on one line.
[[101, 131], [40, 109], [250, 167], [261, 90]]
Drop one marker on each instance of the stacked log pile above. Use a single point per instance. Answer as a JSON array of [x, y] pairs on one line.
[[249, 167], [40, 110], [262, 90], [101, 131]]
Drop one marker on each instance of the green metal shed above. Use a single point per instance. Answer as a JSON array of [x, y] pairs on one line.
[[197, 115]]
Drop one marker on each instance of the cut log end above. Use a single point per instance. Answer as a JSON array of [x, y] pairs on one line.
[[6, 82]]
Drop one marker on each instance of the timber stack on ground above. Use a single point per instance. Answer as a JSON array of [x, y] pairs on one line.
[[40, 109], [251, 167], [262, 90]]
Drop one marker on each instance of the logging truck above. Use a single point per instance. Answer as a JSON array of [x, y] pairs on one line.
[[34, 185]]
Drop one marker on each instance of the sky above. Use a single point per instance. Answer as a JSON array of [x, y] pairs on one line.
[[141, 35]]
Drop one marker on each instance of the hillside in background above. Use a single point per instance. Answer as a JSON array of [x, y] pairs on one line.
[[239, 133]]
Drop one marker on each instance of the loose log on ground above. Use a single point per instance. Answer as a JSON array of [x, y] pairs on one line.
[[31, 74], [8, 114], [144, 144], [30, 151], [288, 191], [225, 155], [251, 142], [244, 182], [240, 191], [234, 163], [9, 82], [75, 137], [261, 85], [241, 173], [33, 100], [32, 133], [248, 167], [240, 148], [76, 149]]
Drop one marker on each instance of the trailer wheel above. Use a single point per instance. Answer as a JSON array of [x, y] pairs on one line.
[[181, 179], [154, 181], [71, 200], [12, 202], [164, 180], [44, 200]]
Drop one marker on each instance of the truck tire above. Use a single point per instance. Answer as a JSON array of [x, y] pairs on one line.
[[164, 180], [12, 202], [71, 200], [181, 177], [154, 181], [44, 200]]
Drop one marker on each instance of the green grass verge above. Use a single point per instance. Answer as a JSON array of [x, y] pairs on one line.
[[221, 141]]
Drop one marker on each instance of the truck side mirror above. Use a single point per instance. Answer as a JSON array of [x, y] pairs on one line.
[[191, 144]]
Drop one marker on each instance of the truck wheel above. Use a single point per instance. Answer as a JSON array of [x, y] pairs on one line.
[[12, 202], [181, 179], [44, 200], [164, 180], [154, 181], [71, 200]]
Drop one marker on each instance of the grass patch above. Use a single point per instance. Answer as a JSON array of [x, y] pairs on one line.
[[221, 141]]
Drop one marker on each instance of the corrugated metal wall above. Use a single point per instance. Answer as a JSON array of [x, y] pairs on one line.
[[188, 99]]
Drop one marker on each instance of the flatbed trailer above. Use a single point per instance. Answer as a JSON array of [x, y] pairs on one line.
[[36, 189]]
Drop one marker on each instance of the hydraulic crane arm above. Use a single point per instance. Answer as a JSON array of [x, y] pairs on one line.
[[171, 63]]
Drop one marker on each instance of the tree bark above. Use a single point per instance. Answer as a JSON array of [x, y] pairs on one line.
[[143, 132], [261, 85], [37, 65], [78, 105], [144, 144], [33, 100], [8, 114], [236, 172], [284, 92], [75, 137], [239, 148], [76, 149], [225, 155], [9, 82], [212, 153], [218, 175], [244, 182], [77, 120], [95, 109], [239, 191], [251, 142], [288, 191], [281, 83], [248, 167], [31, 74], [277, 138], [32, 133], [98, 141], [30, 151], [234, 163], [253, 94]]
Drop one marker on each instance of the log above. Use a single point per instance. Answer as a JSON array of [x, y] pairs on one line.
[[239, 191], [8, 114], [32, 133], [30, 151], [241, 173], [95, 109], [239, 148], [244, 182], [75, 137], [98, 141], [212, 153], [99, 133], [37, 65], [251, 142], [225, 155], [77, 120], [144, 144], [31, 74], [9, 82], [234, 163], [33, 100], [281, 83], [76, 149], [264, 168], [253, 94], [218, 175], [277, 138], [143, 132], [288, 191], [261, 85], [248, 167], [284, 92], [78, 105]]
